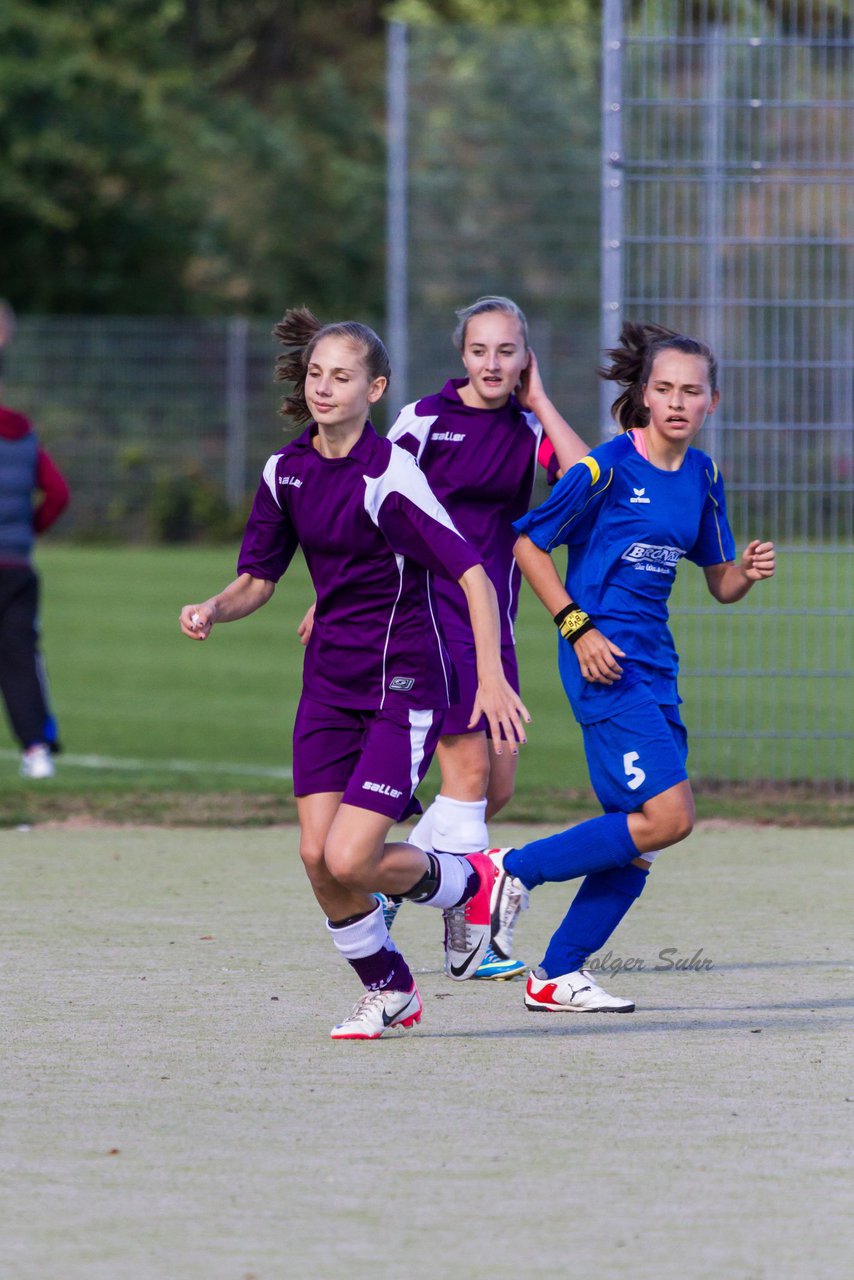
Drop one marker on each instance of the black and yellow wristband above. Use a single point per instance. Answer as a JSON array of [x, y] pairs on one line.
[[572, 622]]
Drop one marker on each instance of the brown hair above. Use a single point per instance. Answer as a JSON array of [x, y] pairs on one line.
[[631, 366], [299, 331]]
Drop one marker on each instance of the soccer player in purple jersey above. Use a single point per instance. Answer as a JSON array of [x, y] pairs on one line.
[[627, 513], [477, 442], [376, 676]]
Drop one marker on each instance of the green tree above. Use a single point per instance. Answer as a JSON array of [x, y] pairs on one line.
[[95, 212], [162, 156]]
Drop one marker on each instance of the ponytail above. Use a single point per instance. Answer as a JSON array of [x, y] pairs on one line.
[[295, 331], [299, 331], [631, 365]]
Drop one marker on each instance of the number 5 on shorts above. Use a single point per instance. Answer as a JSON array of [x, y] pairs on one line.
[[633, 772]]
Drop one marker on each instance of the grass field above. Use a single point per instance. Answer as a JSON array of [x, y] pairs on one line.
[[173, 1107], [157, 728]]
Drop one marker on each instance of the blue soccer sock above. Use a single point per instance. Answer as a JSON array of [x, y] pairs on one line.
[[596, 845], [597, 909]]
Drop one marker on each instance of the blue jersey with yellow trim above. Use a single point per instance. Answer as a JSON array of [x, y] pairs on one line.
[[626, 524]]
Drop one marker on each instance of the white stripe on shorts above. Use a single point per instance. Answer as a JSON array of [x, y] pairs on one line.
[[420, 724]]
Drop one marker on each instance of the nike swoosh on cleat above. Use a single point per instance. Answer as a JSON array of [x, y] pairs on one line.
[[387, 1021], [457, 970]]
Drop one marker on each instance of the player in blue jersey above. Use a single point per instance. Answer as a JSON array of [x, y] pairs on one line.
[[376, 676], [627, 513]]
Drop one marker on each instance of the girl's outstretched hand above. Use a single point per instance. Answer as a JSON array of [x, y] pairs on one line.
[[597, 657], [196, 620], [757, 560], [505, 712]]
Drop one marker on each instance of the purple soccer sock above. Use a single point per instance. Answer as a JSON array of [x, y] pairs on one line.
[[365, 944], [383, 971], [596, 845]]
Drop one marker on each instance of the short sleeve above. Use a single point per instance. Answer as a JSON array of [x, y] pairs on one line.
[[547, 459], [414, 522], [270, 540], [715, 543], [412, 532], [565, 518], [411, 431]]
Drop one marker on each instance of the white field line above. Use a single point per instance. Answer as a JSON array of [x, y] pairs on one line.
[[282, 773]]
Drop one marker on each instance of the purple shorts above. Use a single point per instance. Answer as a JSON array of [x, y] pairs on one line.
[[375, 758], [464, 659]]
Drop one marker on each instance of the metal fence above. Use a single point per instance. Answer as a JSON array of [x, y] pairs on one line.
[[727, 205], [493, 188], [161, 425], [728, 212]]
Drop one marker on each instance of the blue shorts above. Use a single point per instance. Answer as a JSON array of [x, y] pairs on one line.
[[376, 759], [635, 756]]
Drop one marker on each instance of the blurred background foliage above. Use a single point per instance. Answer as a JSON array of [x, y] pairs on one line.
[[200, 157]]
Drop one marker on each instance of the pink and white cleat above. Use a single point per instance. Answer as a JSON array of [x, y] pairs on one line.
[[378, 1012], [467, 930]]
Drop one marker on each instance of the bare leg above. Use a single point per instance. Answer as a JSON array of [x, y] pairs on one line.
[[316, 815], [502, 780], [464, 762], [664, 820], [358, 857]]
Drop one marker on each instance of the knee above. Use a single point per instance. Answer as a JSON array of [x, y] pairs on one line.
[[313, 860], [678, 825], [681, 827], [343, 865], [664, 827]]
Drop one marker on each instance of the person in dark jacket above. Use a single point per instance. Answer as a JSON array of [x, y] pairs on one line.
[[33, 494]]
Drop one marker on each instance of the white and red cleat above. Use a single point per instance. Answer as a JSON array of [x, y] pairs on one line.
[[572, 993], [378, 1012]]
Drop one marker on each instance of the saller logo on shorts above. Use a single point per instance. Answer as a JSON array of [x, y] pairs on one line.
[[401, 684], [651, 554], [382, 789]]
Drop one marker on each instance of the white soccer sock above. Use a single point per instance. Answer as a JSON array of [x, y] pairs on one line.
[[459, 826], [364, 937], [452, 826], [453, 878], [421, 834]]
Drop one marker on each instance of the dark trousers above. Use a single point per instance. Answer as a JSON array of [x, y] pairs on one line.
[[21, 677]]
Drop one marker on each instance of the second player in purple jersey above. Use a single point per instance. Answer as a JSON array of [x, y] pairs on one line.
[[376, 678], [477, 442]]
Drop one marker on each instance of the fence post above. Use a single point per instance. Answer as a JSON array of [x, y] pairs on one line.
[[397, 230], [236, 334], [612, 194], [713, 213]]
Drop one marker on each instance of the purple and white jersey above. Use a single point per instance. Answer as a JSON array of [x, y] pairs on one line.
[[372, 534], [481, 465]]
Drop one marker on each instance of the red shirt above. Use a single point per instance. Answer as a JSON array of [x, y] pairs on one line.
[[49, 480]]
